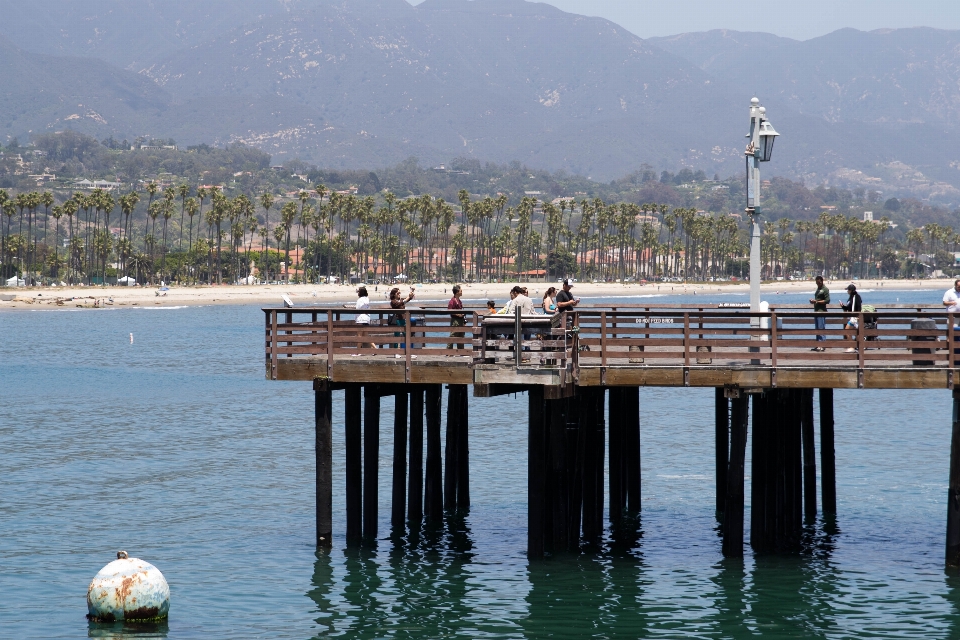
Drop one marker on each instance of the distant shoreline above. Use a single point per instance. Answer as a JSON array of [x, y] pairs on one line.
[[319, 295]]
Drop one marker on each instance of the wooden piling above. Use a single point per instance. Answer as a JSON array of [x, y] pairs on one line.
[[953, 491], [433, 493], [809, 456], [574, 443], [617, 451], [559, 485], [589, 420], [758, 470], [415, 486], [463, 450], [722, 439], [371, 458], [354, 474], [399, 502], [535, 472], [601, 457], [732, 508], [451, 455], [828, 461], [323, 412], [631, 439]]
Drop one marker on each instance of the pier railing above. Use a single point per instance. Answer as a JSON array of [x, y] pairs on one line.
[[635, 336]]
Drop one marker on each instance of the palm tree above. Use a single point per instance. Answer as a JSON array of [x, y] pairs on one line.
[[152, 189], [266, 201], [184, 191]]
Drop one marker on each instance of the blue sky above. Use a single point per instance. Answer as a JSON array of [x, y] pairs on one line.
[[795, 19]]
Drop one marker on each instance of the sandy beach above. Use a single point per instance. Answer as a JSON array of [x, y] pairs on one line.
[[309, 295]]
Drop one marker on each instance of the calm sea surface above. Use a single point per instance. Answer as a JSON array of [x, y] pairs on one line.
[[177, 450]]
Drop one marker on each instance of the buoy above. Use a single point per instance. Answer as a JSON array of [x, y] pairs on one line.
[[128, 589]]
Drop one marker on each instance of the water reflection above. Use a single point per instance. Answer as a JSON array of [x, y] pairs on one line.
[[416, 589], [578, 596], [123, 630]]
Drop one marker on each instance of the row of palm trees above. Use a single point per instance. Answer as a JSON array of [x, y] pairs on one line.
[[422, 237]]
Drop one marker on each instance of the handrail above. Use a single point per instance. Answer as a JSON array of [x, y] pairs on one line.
[[612, 338]]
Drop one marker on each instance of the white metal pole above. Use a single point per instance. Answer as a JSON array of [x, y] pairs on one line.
[[753, 201]]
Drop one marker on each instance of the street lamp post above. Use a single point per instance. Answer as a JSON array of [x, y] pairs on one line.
[[760, 149]]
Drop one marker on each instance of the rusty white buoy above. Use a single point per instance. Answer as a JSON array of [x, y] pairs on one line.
[[128, 589]]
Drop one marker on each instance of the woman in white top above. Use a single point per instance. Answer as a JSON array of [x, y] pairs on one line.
[[363, 304]]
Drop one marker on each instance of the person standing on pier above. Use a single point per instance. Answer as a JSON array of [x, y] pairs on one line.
[[820, 300], [456, 319], [951, 299], [854, 305], [363, 318], [565, 302]]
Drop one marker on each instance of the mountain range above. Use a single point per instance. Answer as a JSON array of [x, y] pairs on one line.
[[366, 83]]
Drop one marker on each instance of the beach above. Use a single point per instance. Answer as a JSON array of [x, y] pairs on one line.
[[84, 297]]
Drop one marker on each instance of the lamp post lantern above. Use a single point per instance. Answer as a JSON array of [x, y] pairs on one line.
[[760, 149]]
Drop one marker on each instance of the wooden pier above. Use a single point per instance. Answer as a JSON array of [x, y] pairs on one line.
[[582, 373]]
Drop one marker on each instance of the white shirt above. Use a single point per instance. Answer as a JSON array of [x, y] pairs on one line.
[[363, 303], [954, 300]]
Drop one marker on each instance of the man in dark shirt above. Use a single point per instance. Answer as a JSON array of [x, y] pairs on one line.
[[456, 319], [565, 302], [820, 300]]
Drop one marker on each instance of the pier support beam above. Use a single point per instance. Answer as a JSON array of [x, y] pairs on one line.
[[558, 486], [953, 492], [456, 485], [722, 438], [399, 502], [828, 460], [536, 436], [732, 508], [371, 459], [354, 474], [618, 455], [776, 496], [463, 451], [809, 456], [631, 439], [433, 494], [415, 487], [323, 412]]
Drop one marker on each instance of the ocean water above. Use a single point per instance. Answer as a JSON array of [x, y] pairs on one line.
[[176, 449]]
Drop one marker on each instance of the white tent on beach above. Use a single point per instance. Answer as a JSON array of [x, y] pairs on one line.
[[16, 282], [126, 281]]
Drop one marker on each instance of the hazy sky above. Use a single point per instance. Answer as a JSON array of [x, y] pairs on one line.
[[800, 19]]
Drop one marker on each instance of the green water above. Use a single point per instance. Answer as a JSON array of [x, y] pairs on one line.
[[176, 449]]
